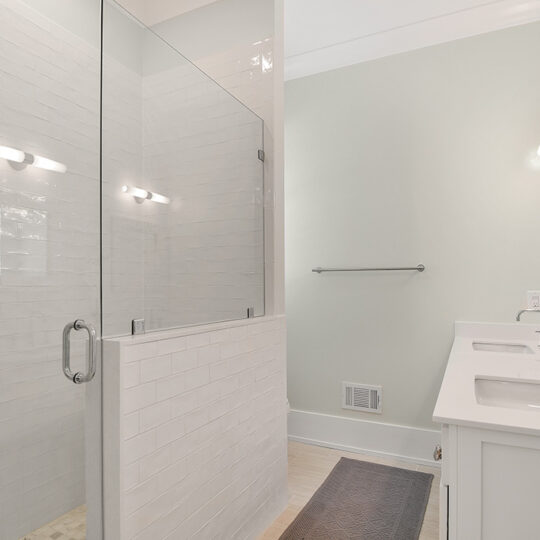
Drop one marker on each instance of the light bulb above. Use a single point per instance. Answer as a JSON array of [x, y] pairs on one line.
[[135, 192], [142, 194], [49, 164], [11, 154], [156, 197]]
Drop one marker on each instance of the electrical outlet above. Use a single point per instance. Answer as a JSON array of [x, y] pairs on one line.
[[533, 299]]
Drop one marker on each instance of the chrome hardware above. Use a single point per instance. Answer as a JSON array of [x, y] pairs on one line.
[[137, 327], [78, 377], [528, 310], [419, 268], [437, 453], [250, 312], [261, 155]]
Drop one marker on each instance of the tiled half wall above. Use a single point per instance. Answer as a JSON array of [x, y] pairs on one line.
[[195, 431]]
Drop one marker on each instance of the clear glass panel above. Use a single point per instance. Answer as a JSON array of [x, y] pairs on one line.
[[198, 255], [49, 254]]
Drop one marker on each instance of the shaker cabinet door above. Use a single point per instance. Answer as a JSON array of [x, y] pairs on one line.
[[498, 485]]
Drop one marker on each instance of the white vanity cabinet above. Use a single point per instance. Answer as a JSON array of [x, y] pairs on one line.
[[490, 485], [489, 410]]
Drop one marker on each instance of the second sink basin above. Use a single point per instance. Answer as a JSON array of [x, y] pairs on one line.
[[509, 393], [501, 347]]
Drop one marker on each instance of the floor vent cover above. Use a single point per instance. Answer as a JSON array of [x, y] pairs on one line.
[[362, 397]]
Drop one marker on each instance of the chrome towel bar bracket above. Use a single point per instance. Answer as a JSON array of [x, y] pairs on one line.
[[419, 268]]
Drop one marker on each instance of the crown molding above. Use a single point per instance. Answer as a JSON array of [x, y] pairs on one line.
[[476, 20]]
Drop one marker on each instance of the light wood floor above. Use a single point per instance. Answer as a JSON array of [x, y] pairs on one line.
[[310, 465], [308, 468]]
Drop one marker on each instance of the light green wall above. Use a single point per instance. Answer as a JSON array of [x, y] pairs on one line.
[[416, 158]]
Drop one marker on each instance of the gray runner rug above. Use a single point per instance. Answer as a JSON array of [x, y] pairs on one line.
[[364, 501]]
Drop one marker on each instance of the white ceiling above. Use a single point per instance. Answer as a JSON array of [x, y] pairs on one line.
[[326, 34]]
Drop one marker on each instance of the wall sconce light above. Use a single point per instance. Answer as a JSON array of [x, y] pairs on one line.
[[47, 164], [11, 154], [533, 159], [18, 156], [141, 195]]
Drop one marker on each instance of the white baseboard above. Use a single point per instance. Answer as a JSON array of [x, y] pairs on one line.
[[363, 436]]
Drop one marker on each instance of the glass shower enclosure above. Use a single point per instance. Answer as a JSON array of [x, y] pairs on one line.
[[131, 189]]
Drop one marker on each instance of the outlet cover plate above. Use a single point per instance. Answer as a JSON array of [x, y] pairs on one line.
[[533, 299]]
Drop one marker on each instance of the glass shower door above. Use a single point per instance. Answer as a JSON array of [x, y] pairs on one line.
[[183, 188], [49, 268]]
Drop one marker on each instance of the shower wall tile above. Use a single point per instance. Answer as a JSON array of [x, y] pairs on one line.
[[210, 451], [247, 70], [200, 149]]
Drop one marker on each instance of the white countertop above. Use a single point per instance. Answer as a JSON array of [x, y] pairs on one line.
[[457, 403]]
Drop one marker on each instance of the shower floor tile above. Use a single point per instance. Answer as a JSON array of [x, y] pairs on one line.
[[70, 526]]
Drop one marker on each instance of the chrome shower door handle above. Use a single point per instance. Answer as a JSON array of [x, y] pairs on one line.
[[78, 377]]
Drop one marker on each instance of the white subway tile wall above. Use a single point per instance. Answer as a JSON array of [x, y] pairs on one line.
[[247, 72], [202, 452], [200, 149], [49, 261]]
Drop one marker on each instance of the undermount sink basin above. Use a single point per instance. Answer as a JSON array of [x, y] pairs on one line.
[[501, 347], [509, 393]]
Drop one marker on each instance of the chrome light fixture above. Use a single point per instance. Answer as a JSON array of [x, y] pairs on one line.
[[140, 195]]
